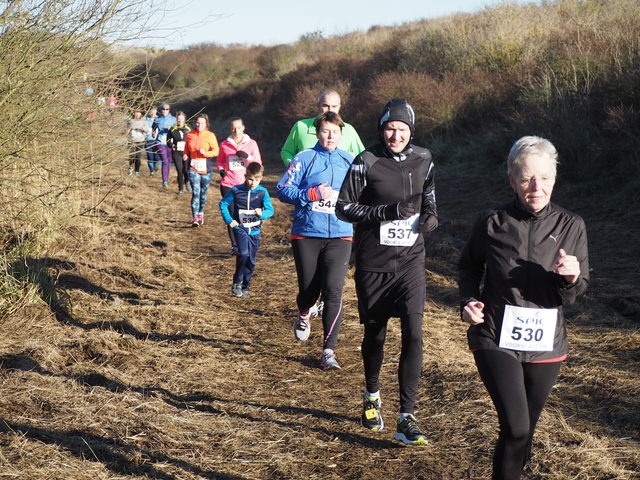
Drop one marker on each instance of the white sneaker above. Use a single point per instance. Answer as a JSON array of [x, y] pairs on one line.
[[328, 361], [316, 310], [302, 328]]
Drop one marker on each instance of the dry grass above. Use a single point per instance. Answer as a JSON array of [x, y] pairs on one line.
[[141, 365]]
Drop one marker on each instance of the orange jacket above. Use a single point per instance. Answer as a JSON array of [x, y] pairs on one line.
[[196, 141]]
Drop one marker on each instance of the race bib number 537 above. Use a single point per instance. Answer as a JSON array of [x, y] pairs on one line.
[[399, 233], [528, 329]]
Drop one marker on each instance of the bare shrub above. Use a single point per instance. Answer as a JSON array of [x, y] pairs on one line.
[[437, 102], [303, 100], [58, 133]]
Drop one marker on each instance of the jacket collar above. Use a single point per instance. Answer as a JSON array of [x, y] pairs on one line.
[[523, 214], [245, 139]]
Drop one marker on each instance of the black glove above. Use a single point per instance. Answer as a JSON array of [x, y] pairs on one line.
[[223, 173], [428, 223], [404, 209], [410, 206], [241, 154]]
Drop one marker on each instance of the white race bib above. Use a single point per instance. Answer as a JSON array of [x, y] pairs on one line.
[[528, 329], [235, 163], [180, 146], [400, 233], [248, 218], [199, 165], [326, 205]]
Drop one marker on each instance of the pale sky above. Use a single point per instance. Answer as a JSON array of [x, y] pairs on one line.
[[182, 23]]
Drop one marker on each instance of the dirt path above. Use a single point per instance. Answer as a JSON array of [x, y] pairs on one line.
[[143, 366]]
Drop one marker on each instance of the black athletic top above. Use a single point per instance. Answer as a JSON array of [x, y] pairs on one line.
[[376, 181], [513, 251]]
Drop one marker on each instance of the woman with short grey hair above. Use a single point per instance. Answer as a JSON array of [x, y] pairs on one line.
[[530, 257]]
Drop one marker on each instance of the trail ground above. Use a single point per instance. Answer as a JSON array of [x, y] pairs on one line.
[[137, 362]]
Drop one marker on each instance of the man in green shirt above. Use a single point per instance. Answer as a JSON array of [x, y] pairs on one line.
[[303, 133]]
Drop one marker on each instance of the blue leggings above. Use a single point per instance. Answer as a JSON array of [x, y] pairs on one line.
[[153, 156], [246, 257], [199, 186]]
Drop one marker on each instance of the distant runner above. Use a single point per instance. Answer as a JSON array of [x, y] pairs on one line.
[[176, 140], [137, 134], [161, 127], [251, 206], [201, 147], [321, 242], [236, 152], [153, 157], [389, 194]]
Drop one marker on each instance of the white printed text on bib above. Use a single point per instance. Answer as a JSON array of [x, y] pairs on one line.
[[326, 205], [248, 218], [235, 163], [400, 233], [199, 165], [528, 329]]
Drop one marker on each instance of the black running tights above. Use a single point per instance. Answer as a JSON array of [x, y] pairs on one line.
[[181, 169], [410, 357], [519, 392], [321, 265]]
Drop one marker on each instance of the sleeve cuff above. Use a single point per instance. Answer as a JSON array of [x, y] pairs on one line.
[[313, 194]]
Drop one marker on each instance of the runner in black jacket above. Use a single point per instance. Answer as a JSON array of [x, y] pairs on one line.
[[175, 141], [532, 257], [389, 194]]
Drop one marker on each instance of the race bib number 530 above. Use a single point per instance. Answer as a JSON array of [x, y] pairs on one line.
[[528, 329], [399, 233]]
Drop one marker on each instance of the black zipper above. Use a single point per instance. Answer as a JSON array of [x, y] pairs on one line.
[[529, 252]]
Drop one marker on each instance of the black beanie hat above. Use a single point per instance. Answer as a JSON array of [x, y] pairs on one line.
[[397, 110]]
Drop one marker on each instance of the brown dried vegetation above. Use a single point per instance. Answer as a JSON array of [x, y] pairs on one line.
[[134, 361]]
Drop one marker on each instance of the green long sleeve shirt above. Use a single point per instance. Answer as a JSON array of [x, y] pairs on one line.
[[303, 136]]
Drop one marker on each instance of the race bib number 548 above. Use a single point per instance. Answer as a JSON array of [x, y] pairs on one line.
[[528, 329]]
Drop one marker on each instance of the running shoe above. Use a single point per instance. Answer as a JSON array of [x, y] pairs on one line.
[[180, 192], [302, 327], [236, 290], [245, 293], [316, 310], [165, 185], [194, 222], [328, 361], [151, 173], [409, 432], [130, 171], [201, 218], [371, 417], [137, 174]]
